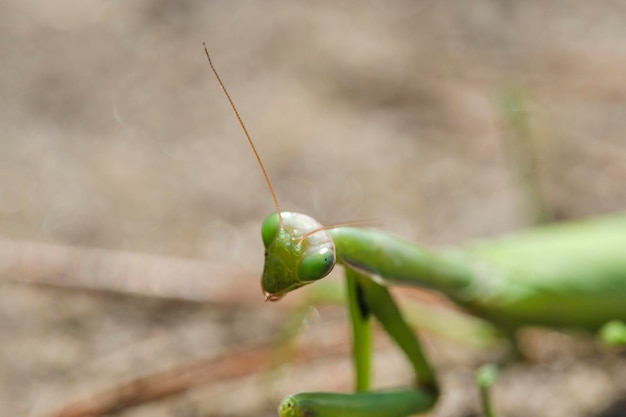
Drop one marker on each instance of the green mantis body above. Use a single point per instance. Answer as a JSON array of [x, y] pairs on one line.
[[568, 275], [564, 275]]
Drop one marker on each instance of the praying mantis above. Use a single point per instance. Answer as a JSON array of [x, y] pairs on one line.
[[570, 275]]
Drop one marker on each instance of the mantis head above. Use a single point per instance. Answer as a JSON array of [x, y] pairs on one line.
[[298, 251]]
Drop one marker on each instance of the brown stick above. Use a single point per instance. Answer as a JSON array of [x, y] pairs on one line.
[[126, 272], [227, 366]]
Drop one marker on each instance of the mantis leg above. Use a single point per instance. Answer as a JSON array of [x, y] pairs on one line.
[[361, 333], [485, 378], [614, 333], [380, 303], [368, 297]]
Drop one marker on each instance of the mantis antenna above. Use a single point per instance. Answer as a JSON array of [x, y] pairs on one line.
[[243, 126]]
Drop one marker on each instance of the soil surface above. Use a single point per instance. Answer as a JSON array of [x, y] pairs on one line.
[[130, 201]]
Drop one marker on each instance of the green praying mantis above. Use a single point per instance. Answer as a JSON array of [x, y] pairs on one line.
[[569, 275]]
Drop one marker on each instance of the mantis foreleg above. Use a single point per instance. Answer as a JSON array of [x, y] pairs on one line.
[[368, 297], [360, 315]]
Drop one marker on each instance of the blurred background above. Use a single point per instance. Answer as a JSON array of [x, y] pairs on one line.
[[130, 202]]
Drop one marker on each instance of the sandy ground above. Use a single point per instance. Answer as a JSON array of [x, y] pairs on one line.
[[122, 168]]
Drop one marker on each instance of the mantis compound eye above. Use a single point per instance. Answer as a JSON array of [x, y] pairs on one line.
[[316, 265], [288, 408], [270, 229]]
